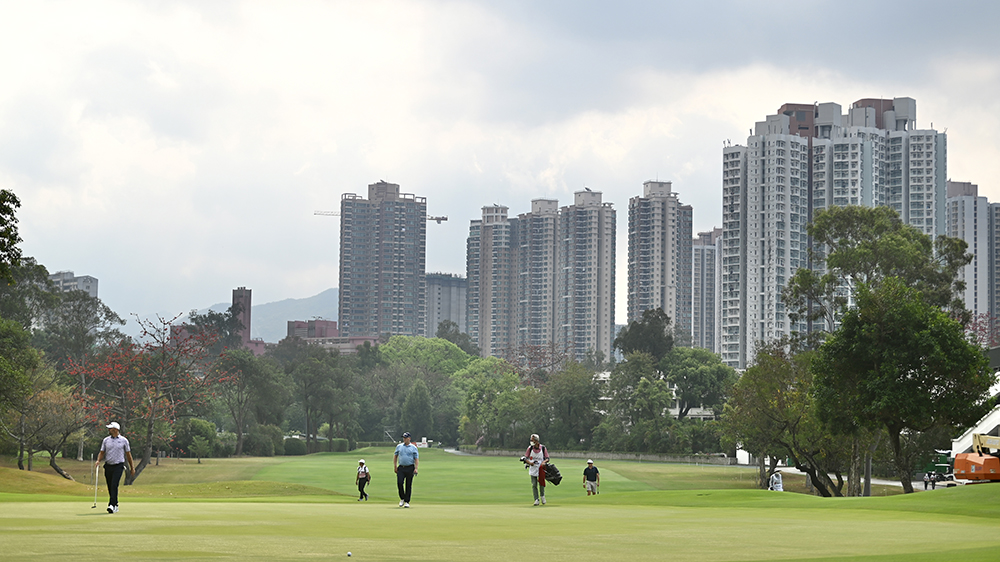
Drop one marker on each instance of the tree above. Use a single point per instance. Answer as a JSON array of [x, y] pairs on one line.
[[498, 409], [146, 387], [448, 330], [772, 413], [571, 398], [863, 246], [900, 363], [699, 377], [72, 328], [59, 415], [651, 334], [30, 294], [17, 360], [243, 382], [186, 430], [416, 416], [224, 328], [10, 254], [200, 447], [637, 418]]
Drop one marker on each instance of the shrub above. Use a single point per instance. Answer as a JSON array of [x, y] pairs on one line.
[[295, 446], [258, 444], [225, 445], [338, 445]]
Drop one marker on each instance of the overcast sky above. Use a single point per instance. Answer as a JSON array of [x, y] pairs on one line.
[[177, 150]]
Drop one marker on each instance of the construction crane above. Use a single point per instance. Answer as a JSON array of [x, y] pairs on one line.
[[438, 220]]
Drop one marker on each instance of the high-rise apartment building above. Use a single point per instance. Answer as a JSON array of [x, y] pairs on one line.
[[490, 269], [585, 276], [803, 159], [65, 281], [446, 294], [536, 266], [543, 280], [383, 242], [660, 256], [705, 289], [968, 217]]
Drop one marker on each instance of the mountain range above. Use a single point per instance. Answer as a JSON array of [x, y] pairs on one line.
[[269, 321]]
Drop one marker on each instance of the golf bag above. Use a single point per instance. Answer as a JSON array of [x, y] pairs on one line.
[[552, 474]]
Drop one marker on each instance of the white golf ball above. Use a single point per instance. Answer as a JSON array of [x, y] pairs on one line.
[[348, 553]]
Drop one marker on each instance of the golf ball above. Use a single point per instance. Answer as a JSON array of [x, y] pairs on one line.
[[348, 553]]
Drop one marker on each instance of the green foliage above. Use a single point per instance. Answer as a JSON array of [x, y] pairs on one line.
[[651, 334], [434, 354], [264, 441], [251, 389], [699, 377], [498, 410], [17, 360], [898, 362], [570, 399], [29, 296], [10, 254], [863, 246], [225, 445], [448, 330], [416, 416], [773, 413], [200, 447], [73, 327], [295, 446], [187, 429], [338, 445], [224, 328]]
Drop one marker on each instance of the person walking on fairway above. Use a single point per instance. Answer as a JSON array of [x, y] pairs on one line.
[[404, 464], [591, 478], [535, 457], [115, 451], [364, 477]]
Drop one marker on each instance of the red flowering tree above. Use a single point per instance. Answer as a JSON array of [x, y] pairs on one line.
[[144, 386]]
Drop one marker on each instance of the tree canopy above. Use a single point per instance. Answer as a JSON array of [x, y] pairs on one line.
[[651, 334], [899, 362], [700, 378]]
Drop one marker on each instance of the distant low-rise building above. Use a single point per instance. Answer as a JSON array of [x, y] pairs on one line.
[[65, 281], [312, 329]]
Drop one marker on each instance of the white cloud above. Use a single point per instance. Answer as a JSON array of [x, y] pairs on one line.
[[176, 151]]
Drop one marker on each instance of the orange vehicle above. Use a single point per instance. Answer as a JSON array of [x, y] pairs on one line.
[[983, 463]]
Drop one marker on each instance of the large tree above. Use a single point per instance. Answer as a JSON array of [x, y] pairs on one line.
[[246, 384], [146, 386], [571, 397], [651, 334], [700, 378], [899, 362], [74, 326], [772, 414], [864, 245]]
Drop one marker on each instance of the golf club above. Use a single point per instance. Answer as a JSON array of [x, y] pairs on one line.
[[95, 484]]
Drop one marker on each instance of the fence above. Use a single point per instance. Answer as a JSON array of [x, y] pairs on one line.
[[597, 455]]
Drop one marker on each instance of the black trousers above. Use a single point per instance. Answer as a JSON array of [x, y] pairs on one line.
[[404, 475], [113, 475], [362, 482]]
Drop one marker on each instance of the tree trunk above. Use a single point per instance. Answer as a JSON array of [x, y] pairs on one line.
[[854, 470], [897, 454], [56, 467], [761, 473], [868, 465]]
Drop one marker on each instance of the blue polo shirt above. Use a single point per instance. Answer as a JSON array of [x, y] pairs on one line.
[[407, 454]]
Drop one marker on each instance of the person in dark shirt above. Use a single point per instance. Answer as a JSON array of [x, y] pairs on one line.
[[591, 478]]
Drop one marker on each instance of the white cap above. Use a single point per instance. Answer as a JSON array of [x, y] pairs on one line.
[[590, 461], [362, 461], [114, 425]]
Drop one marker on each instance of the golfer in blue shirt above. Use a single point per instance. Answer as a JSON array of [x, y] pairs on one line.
[[404, 464]]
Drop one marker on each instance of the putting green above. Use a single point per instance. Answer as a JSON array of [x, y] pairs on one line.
[[479, 508]]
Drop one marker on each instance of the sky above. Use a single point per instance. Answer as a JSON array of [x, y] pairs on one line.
[[178, 150]]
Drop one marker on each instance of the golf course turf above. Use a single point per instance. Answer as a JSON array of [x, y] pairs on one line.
[[477, 509]]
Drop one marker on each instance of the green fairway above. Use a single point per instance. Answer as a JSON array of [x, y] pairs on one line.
[[289, 508]]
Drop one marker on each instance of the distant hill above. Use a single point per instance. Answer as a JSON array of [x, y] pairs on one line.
[[269, 321]]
